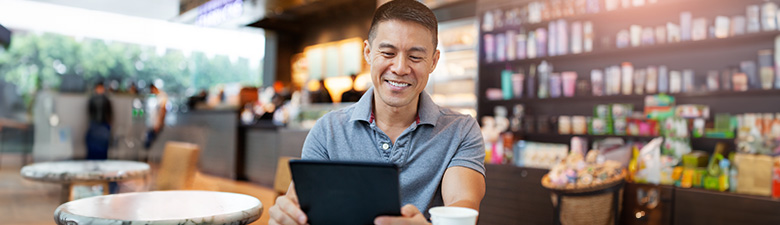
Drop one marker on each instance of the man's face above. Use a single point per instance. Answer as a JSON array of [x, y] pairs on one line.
[[401, 56]]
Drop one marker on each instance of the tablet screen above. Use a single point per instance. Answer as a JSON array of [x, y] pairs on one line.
[[334, 192]]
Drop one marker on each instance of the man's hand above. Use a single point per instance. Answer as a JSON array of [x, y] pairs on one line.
[[287, 210], [409, 215]]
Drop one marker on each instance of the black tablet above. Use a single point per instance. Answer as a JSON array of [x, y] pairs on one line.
[[337, 192]]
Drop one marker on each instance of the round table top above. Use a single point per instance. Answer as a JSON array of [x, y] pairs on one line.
[[162, 208], [85, 170]]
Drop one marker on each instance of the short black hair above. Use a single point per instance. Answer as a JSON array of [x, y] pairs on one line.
[[99, 83], [405, 10]]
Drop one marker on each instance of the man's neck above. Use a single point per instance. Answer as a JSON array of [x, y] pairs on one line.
[[394, 117]]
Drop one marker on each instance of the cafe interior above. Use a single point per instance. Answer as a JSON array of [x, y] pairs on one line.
[[189, 111]]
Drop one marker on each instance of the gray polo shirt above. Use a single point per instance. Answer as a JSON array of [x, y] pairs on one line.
[[440, 139]]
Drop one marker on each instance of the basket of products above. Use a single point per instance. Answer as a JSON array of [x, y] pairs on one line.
[[586, 190]]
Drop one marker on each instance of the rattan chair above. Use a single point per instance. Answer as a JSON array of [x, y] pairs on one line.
[[178, 167]]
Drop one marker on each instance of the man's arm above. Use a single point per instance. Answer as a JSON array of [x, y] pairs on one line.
[[286, 209], [161, 115], [462, 187]]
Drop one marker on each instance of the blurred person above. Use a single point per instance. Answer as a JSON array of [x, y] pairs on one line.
[[441, 151], [321, 95], [100, 114], [132, 89], [352, 95], [155, 117], [222, 97], [194, 101]]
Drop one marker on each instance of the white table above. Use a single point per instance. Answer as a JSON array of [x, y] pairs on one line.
[[161, 208], [84, 172]]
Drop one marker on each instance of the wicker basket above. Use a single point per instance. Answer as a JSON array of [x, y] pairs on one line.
[[592, 205]]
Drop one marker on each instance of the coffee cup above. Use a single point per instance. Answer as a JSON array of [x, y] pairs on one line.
[[451, 215]]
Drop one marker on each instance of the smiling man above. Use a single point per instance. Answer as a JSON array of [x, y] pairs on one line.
[[439, 152]]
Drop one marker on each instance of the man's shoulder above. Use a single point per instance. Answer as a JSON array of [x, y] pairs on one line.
[[449, 116], [342, 115]]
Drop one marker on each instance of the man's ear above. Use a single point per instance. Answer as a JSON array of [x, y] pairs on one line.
[[366, 51], [436, 55]]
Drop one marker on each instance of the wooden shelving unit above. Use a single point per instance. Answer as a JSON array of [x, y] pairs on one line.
[[518, 190]]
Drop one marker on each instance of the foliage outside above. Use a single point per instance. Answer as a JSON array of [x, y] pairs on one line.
[[37, 59]]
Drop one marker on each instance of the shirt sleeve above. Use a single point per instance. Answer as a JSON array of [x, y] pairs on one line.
[[471, 151], [313, 146]]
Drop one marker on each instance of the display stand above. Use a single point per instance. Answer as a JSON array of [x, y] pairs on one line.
[[614, 189]]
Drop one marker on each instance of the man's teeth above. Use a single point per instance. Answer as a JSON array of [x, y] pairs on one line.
[[398, 84]]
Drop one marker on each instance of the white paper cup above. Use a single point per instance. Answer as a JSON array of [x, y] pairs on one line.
[[450, 215]]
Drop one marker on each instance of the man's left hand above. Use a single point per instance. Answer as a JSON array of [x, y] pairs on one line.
[[409, 215]]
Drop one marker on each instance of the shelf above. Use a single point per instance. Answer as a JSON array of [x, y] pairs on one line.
[[703, 143], [635, 98], [667, 48], [631, 12], [730, 194], [697, 190], [598, 136], [589, 16]]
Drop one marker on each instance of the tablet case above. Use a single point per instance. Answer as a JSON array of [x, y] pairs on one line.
[[337, 192]]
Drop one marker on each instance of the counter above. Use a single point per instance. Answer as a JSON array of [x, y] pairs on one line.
[[263, 146]]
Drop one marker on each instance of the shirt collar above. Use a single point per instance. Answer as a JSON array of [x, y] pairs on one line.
[[427, 112]]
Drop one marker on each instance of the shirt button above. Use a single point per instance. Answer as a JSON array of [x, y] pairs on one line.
[[385, 146]]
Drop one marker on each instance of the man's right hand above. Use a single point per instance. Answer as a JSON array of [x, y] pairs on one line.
[[287, 210]]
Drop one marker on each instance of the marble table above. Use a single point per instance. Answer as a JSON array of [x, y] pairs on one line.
[[84, 172], [161, 208]]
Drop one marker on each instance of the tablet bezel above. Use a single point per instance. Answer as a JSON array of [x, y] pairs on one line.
[[346, 192]]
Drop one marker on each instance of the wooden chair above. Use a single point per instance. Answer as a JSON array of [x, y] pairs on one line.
[[283, 178], [178, 167]]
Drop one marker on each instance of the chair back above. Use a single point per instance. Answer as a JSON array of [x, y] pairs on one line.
[[178, 167], [283, 177]]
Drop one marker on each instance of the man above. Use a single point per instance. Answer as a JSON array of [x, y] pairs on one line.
[[321, 95], [100, 113], [353, 95], [155, 120], [439, 152]]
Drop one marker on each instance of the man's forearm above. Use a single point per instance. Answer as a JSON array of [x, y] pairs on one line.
[[466, 203]]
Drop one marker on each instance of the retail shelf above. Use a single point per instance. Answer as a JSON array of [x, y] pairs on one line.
[[695, 190], [729, 194], [703, 143], [649, 9], [569, 136], [637, 98], [667, 48]]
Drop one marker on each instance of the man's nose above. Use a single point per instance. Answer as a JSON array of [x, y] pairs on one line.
[[400, 65]]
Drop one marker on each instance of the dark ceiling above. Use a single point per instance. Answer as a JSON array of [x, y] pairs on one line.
[[295, 18]]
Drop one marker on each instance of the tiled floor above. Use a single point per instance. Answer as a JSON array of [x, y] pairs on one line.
[[25, 202]]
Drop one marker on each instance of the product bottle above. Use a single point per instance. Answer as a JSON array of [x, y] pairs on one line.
[[632, 165], [776, 180], [489, 152], [506, 84], [723, 180], [531, 88], [544, 72], [498, 152], [508, 140], [733, 179]]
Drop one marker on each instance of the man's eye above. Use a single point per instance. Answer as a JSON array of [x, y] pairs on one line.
[[388, 54], [415, 58]]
